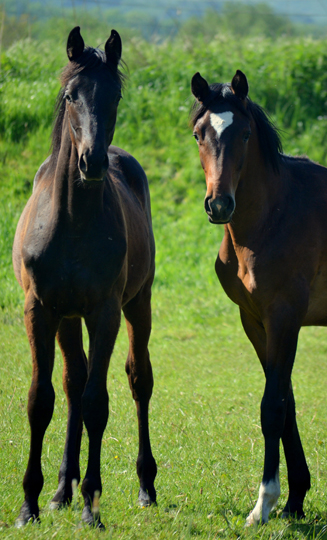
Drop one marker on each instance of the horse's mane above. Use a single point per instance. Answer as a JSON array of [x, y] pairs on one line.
[[91, 59], [268, 134]]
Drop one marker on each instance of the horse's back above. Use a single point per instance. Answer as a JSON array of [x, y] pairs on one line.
[[309, 179]]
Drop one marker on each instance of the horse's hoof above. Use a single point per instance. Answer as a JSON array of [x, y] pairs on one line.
[[59, 504], [21, 521], [292, 515], [293, 510], [62, 498], [250, 520], [56, 505], [145, 499], [92, 519], [26, 515]]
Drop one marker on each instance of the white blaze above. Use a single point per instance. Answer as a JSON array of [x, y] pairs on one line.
[[221, 121]]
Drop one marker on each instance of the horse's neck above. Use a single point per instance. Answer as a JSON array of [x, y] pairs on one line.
[[72, 201], [259, 192]]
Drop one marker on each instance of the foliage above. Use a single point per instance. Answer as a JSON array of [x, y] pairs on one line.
[[240, 19], [13, 28]]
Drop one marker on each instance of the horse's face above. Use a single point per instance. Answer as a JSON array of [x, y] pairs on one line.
[[222, 135], [91, 105], [92, 99]]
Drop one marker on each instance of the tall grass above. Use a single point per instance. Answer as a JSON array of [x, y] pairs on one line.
[[205, 408]]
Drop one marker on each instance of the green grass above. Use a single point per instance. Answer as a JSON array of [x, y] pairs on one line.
[[205, 409], [204, 421]]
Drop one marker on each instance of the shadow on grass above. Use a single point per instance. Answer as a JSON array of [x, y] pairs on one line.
[[315, 531]]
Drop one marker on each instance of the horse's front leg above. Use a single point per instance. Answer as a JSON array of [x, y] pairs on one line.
[[282, 328], [69, 337], [298, 472], [41, 330], [139, 371], [103, 326], [297, 468]]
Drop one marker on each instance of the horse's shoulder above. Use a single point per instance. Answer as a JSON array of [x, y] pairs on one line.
[[41, 172], [126, 169], [123, 160]]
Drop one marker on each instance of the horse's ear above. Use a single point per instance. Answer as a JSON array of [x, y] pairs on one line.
[[113, 48], [240, 85], [200, 87], [75, 44]]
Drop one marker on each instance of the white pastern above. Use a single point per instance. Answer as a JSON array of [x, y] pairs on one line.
[[267, 500], [221, 121]]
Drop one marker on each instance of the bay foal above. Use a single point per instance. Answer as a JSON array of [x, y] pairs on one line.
[[272, 261], [84, 248]]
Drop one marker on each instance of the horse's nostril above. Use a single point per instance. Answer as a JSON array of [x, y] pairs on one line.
[[93, 166], [207, 205], [83, 163], [230, 204]]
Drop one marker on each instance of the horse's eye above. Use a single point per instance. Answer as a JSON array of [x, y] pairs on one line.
[[246, 136], [68, 98], [196, 137]]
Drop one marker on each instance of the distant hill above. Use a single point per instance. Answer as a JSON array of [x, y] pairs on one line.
[[40, 19]]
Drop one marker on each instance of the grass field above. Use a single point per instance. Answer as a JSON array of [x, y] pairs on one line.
[[205, 409]]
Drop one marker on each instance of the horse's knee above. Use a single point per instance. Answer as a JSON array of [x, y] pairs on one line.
[[74, 387], [95, 410], [140, 378], [41, 404]]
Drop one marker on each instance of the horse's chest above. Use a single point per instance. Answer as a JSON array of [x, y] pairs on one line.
[[71, 274], [237, 276]]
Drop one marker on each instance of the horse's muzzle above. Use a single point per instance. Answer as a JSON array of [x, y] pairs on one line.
[[93, 167], [220, 209]]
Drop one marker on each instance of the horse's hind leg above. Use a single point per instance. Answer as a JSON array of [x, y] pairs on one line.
[[41, 331], [138, 368], [298, 472], [69, 337]]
